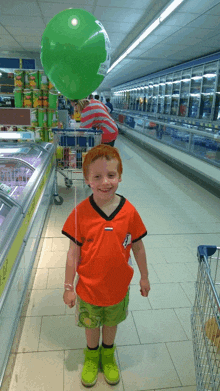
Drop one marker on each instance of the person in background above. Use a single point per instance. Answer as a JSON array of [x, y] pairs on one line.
[[106, 107], [108, 104], [103, 229], [94, 115]]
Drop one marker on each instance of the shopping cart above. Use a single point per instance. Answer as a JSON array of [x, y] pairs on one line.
[[205, 320], [71, 147]]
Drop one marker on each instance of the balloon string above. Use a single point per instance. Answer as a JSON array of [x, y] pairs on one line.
[[75, 217]]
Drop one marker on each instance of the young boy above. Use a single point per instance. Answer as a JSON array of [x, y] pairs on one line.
[[102, 230]]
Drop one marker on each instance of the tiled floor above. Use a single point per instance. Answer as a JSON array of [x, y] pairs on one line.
[[154, 344]]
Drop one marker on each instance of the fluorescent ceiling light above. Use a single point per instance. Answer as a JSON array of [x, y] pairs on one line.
[[148, 31], [170, 9]]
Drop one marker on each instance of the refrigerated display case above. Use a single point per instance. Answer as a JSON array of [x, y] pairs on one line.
[[27, 174], [168, 94], [184, 93], [176, 93], [208, 91], [161, 95]]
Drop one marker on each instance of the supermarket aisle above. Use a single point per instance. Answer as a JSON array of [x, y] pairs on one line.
[[154, 347]]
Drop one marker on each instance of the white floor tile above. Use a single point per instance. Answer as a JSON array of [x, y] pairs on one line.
[[154, 326], [41, 277], [136, 300], [50, 259], [176, 272], [61, 333], [189, 289], [46, 302], [60, 244], [171, 255], [47, 245], [126, 332], [137, 276], [30, 335], [183, 315], [146, 367], [56, 278], [167, 295], [54, 232], [182, 357], [38, 371]]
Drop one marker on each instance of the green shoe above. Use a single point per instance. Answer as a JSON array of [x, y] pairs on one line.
[[109, 365], [90, 370]]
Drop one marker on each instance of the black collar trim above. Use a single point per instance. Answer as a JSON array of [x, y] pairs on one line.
[[102, 214]]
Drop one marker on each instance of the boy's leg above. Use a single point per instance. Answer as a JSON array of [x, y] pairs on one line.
[[108, 334], [108, 362], [90, 369], [92, 337]]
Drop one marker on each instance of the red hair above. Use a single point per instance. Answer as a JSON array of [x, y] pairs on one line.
[[101, 151]]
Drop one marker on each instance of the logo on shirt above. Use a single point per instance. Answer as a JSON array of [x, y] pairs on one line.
[[127, 240]]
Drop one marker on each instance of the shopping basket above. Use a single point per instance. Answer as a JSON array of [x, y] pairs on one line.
[[205, 320], [71, 147]]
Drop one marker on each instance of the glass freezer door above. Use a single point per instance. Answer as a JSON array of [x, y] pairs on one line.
[[14, 176], [4, 210], [32, 153]]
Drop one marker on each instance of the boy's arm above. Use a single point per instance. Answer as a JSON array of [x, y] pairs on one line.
[[73, 258], [140, 257]]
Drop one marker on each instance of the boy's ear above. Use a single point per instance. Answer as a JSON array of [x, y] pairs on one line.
[[120, 179], [86, 181]]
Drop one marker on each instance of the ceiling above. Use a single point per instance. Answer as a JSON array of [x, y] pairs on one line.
[[191, 31]]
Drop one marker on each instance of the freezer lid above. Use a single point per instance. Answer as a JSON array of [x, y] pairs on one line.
[[14, 176], [31, 153], [4, 210], [11, 220]]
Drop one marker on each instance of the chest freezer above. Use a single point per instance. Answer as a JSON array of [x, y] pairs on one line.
[[27, 174]]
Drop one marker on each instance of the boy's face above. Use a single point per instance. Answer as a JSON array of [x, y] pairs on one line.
[[103, 178]]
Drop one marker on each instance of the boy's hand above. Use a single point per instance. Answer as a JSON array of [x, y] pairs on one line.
[[69, 298], [145, 286]]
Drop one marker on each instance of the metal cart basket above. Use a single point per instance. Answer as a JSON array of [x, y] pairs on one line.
[[205, 320], [71, 146]]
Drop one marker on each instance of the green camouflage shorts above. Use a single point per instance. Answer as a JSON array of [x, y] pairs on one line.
[[92, 316]]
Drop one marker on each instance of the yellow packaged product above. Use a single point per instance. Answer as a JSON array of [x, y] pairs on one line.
[[19, 78], [27, 102], [33, 79]]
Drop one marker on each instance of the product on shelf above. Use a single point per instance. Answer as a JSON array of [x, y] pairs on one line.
[[28, 101], [42, 116], [43, 81], [34, 117], [52, 118], [52, 99], [19, 78], [37, 98], [33, 79], [45, 98], [18, 96]]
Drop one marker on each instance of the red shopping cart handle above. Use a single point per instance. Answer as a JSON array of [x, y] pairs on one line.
[[205, 251]]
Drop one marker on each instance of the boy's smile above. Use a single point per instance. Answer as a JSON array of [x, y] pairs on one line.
[[103, 179]]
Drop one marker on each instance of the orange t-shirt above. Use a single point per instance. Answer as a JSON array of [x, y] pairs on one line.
[[104, 272]]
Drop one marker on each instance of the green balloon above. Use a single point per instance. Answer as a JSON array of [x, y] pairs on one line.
[[75, 53]]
